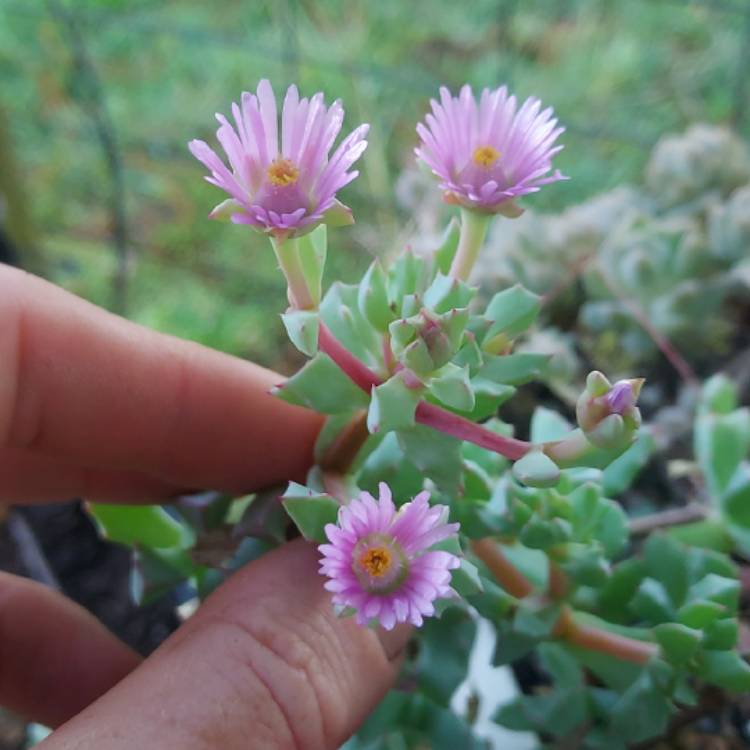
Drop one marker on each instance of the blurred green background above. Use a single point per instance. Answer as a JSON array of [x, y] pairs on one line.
[[98, 99]]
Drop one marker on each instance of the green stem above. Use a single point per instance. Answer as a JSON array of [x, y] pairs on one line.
[[570, 450], [473, 231], [287, 254]]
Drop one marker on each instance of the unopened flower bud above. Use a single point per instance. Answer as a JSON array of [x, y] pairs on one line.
[[607, 413], [622, 396], [426, 342]]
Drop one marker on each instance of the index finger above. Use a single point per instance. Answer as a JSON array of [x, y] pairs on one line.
[[81, 384]]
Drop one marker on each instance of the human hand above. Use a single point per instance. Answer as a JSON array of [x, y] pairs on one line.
[[92, 405]]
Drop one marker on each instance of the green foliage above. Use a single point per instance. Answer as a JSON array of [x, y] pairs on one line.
[[310, 511], [722, 443], [536, 469], [147, 526], [509, 313], [440, 665], [302, 328], [436, 455], [559, 709], [373, 298], [392, 406], [619, 475], [321, 385], [513, 369]]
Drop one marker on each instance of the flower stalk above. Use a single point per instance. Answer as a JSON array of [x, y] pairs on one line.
[[287, 254], [474, 227]]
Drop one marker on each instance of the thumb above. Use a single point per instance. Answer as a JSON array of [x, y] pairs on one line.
[[265, 663]]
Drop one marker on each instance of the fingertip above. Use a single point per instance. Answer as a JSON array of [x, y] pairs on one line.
[[394, 640]]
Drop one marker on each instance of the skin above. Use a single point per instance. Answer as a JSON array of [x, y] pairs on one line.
[[92, 405]]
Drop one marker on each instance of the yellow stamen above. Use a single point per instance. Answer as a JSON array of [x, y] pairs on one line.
[[376, 561], [485, 156], [282, 172]]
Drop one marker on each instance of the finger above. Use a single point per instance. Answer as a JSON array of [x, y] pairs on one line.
[[34, 478], [79, 383], [55, 658], [264, 663]]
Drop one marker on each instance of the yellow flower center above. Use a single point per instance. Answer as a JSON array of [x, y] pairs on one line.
[[485, 156], [376, 561], [282, 172]]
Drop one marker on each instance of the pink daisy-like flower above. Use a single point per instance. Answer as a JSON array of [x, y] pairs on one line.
[[379, 560], [289, 190], [489, 153]]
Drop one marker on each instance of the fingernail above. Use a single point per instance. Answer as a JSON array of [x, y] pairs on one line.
[[394, 641]]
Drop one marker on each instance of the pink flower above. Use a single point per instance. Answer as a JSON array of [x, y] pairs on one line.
[[489, 153], [379, 560], [285, 191]]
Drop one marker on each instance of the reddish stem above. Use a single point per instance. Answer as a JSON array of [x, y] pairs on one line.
[[585, 636], [576, 269], [502, 569], [335, 485], [343, 450], [596, 639], [357, 371], [558, 583], [664, 345], [388, 358], [426, 414], [464, 429]]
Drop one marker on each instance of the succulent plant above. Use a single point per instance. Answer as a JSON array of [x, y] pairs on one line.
[[671, 253]]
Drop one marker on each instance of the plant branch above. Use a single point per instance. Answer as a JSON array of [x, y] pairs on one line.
[[356, 370], [427, 414], [664, 345], [558, 583], [335, 485], [585, 636], [575, 270], [596, 639], [342, 451], [667, 518], [464, 429], [502, 569]]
